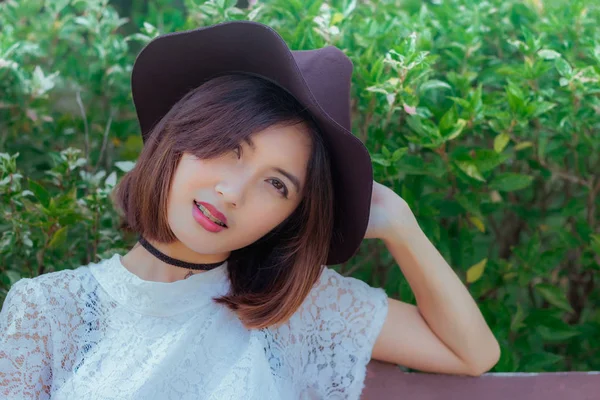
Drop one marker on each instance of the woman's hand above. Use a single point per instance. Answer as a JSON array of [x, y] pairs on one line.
[[389, 214]]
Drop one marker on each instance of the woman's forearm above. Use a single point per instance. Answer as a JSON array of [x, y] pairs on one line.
[[442, 299]]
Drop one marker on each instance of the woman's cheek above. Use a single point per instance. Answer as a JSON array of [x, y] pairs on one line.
[[266, 216]]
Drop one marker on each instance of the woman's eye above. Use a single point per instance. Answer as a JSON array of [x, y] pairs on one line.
[[280, 186]]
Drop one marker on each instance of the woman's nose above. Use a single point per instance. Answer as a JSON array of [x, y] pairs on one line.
[[232, 190]]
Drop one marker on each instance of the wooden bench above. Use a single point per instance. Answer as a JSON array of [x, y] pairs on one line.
[[387, 381]]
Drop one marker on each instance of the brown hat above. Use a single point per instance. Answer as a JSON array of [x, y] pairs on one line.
[[173, 64]]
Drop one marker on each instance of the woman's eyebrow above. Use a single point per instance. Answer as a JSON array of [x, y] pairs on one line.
[[291, 177], [283, 172]]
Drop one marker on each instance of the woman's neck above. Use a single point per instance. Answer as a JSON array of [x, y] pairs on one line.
[[146, 266]]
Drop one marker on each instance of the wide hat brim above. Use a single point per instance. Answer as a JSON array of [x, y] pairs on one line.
[[173, 64]]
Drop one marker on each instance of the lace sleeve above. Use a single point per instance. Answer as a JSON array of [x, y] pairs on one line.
[[342, 319], [25, 344]]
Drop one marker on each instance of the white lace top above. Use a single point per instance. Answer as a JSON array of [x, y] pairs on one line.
[[101, 332]]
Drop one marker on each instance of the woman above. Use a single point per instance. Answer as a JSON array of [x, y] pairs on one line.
[[249, 183]]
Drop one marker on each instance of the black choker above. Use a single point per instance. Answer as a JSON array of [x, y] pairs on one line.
[[178, 263]]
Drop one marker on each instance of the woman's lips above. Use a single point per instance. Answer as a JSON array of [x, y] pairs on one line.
[[205, 221], [213, 210]]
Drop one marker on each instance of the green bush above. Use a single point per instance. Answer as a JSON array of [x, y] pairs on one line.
[[482, 115]]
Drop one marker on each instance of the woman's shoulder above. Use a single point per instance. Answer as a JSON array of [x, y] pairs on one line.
[[47, 285], [334, 286], [337, 324], [55, 279], [339, 299]]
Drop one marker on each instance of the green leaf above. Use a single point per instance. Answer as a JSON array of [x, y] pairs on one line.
[[448, 120], [476, 271], [59, 238], [516, 98], [556, 334], [13, 276], [477, 222], [40, 193], [83, 21], [125, 166], [462, 102], [255, 12], [536, 362], [545, 316], [470, 169], [497, 125], [509, 182], [41, 83], [547, 54], [486, 160], [523, 145], [517, 319], [111, 180], [542, 145], [542, 108], [470, 202], [397, 155], [415, 165], [476, 102], [434, 84], [501, 141], [449, 208], [554, 296], [386, 153], [7, 241], [381, 160], [457, 129], [563, 67], [424, 128]]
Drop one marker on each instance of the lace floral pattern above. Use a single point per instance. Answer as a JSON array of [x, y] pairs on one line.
[[101, 332]]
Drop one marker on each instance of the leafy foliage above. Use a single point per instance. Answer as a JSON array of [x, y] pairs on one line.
[[482, 115]]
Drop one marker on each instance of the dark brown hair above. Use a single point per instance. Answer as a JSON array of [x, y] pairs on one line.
[[271, 277]]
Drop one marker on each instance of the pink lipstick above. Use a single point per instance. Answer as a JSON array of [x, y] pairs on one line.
[[209, 217]]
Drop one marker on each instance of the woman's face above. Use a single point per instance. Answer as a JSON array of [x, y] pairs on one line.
[[250, 190]]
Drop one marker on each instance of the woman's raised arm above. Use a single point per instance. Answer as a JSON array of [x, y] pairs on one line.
[[445, 332]]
